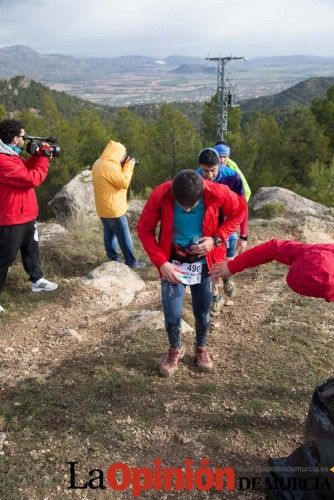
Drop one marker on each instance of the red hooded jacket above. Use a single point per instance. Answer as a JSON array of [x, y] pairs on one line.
[[18, 178], [160, 208], [311, 265]]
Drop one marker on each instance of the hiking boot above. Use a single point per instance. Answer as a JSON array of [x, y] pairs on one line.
[[216, 304], [43, 285], [203, 359], [229, 287], [215, 324], [170, 360]]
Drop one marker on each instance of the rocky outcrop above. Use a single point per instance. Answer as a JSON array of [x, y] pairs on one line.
[[317, 230], [117, 282], [49, 231], [292, 203], [300, 218], [75, 199], [135, 208]]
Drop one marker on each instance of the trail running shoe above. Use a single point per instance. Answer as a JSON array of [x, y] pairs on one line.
[[43, 285], [169, 362], [229, 287], [203, 359], [216, 304]]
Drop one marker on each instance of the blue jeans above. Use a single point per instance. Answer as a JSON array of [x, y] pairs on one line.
[[116, 233], [172, 301], [231, 245]]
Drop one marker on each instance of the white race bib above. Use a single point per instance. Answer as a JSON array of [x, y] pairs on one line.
[[189, 274]]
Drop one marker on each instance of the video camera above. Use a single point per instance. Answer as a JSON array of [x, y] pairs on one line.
[[35, 143]]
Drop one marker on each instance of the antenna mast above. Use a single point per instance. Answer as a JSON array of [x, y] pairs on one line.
[[224, 95]]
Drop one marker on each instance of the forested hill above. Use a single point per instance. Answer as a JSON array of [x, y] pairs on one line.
[[302, 93], [291, 147], [20, 94]]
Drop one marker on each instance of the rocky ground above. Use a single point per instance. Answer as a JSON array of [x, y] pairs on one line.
[[80, 382]]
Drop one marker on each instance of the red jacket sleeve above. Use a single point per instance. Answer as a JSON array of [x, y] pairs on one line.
[[283, 251], [234, 209], [244, 223], [146, 227], [21, 173]]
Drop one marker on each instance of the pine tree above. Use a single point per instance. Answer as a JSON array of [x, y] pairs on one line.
[[304, 144], [175, 144], [323, 110], [133, 132], [92, 137], [264, 140], [2, 112]]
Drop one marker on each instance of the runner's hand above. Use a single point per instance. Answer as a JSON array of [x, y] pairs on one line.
[[220, 270], [168, 272], [204, 245], [241, 246]]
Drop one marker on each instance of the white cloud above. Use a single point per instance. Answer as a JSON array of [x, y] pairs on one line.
[[114, 27]]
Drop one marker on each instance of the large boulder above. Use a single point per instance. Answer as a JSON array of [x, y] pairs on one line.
[[75, 199], [317, 230], [49, 231], [135, 208], [117, 282], [291, 203]]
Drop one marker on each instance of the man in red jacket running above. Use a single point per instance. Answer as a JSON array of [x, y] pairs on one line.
[[191, 239], [311, 270], [18, 204]]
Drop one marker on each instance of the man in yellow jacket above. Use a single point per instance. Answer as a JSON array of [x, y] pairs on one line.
[[112, 174]]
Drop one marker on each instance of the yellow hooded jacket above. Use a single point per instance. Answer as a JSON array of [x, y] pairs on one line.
[[111, 181]]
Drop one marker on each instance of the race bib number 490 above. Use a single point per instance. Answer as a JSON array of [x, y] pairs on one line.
[[189, 274]]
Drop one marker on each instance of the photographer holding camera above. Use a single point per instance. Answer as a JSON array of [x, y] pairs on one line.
[[18, 203], [112, 174]]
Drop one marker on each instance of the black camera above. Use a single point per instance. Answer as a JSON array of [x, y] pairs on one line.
[[128, 158], [35, 143]]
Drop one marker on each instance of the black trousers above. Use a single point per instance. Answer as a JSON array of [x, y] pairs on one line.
[[21, 237]]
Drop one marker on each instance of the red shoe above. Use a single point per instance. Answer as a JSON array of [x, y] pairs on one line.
[[203, 359], [170, 360]]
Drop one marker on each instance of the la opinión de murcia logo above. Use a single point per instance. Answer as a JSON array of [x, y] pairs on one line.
[[120, 476]]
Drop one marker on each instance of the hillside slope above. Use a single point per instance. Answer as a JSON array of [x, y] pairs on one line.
[[20, 94], [302, 93], [80, 384]]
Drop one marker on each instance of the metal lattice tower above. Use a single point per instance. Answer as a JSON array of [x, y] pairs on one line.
[[223, 95]]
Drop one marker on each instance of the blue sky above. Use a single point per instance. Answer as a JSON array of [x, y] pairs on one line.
[[160, 28]]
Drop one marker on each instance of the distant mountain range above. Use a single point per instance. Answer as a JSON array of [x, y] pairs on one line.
[[52, 68], [57, 68], [188, 69]]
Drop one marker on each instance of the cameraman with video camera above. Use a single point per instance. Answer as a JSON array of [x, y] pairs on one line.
[[18, 203]]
